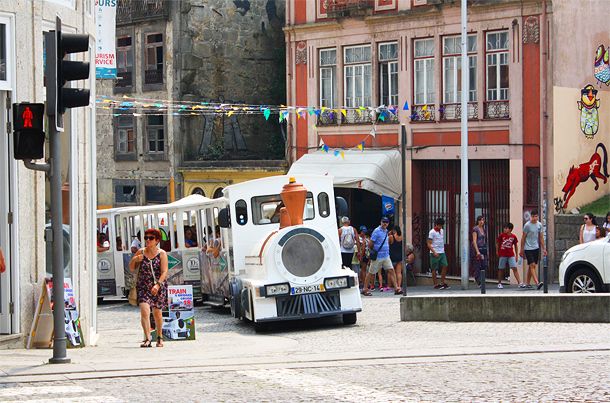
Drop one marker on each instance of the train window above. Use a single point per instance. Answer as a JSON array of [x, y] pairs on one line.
[[117, 227], [323, 205], [241, 211], [266, 209]]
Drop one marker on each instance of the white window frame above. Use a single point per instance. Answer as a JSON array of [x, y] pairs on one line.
[[497, 55], [9, 42], [360, 72], [455, 70], [388, 73], [328, 72], [423, 63]]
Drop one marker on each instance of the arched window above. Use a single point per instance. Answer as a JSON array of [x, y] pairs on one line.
[[218, 193], [198, 191]]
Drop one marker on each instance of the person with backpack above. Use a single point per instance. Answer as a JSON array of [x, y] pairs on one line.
[[348, 238]]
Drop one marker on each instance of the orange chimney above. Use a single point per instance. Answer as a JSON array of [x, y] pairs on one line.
[[293, 194]]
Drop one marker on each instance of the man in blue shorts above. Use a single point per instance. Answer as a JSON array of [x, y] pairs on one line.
[[436, 244]]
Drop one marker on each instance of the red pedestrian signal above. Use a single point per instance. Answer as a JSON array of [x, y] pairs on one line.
[[28, 133]]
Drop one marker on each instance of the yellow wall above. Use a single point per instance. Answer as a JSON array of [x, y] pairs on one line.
[[212, 179], [572, 148]]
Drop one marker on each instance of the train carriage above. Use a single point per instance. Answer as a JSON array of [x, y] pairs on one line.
[[268, 248]]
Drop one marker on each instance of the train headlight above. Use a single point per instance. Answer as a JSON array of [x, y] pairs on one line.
[[274, 290], [335, 283]]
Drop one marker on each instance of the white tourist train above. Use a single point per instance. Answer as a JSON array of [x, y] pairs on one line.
[[268, 248]]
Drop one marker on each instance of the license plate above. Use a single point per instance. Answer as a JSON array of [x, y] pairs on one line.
[[307, 289]]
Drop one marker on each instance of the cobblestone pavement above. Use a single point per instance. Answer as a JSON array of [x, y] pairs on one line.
[[378, 359], [555, 377]]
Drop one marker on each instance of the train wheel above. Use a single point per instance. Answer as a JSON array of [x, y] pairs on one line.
[[349, 318]]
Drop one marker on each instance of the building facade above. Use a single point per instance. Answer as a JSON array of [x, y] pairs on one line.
[[24, 195], [374, 67], [166, 131]]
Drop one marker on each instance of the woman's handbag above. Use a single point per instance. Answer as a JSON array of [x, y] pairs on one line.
[[483, 250], [133, 292]]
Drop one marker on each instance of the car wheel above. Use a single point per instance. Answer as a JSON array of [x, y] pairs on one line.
[[584, 281], [349, 318]]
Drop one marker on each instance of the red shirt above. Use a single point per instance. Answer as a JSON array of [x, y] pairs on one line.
[[506, 244]]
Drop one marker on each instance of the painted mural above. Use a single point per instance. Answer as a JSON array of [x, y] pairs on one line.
[[588, 106], [602, 67], [591, 169]]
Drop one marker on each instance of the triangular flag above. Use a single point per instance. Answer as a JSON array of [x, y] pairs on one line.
[[343, 155], [321, 142], [361, 146], [406, 107], [317, 113], [343, 111], [359, 111], [325, 148], [314, 127], [230, 113], [336, 153], [425, 108], [281, 117], [266, 112]]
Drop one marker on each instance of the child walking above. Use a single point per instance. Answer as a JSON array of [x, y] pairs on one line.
[[508, 248]]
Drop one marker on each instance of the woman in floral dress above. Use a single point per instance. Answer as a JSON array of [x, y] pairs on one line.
[[152, 290]]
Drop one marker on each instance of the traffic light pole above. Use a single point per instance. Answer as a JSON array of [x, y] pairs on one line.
[[59, 329]]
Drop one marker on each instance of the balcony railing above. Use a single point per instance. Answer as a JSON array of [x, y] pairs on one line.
[[496, 110], [153, 76], [342, 8], [423, 115], [125, 79], [454, 111], [135, 10], [388, 117], [352, 116], [328, 117]]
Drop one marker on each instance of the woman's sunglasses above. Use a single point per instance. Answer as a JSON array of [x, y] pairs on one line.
[[149, 238]]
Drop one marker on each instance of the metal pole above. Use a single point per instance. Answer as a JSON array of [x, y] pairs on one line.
[[464, 235], [404, 210], [59, 335]]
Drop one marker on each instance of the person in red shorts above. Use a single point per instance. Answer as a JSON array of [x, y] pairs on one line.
[[508, 248]]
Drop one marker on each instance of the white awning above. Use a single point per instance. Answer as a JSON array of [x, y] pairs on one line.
[[377, 171]]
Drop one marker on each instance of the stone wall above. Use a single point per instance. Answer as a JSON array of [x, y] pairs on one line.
[[567, 230], [231, 52]]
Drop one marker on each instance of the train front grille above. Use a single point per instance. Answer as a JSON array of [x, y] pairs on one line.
[[308, 304]]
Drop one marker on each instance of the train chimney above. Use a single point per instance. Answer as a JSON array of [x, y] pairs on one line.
[[293, 194]]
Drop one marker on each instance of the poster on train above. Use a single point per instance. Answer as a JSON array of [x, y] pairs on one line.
[[179, 318]]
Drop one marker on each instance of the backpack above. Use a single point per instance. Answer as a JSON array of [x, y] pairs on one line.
[[348, 239]]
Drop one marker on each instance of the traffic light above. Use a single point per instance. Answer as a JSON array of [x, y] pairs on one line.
[[59, 72], [28, 133]]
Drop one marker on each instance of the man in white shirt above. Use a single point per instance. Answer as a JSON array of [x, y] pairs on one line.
[[438, 259]]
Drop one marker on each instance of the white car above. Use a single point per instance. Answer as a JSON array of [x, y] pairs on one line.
[[585, 268]]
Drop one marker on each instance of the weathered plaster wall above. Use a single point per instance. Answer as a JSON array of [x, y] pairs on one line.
[[231, 52]]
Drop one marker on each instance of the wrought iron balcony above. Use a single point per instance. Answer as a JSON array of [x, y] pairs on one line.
[[454, 111], [132, 11], [352, 116], [423, 115], [496, 110], [328, 117], [344, 8], [125, 79], [388, 117], [153, 76]]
